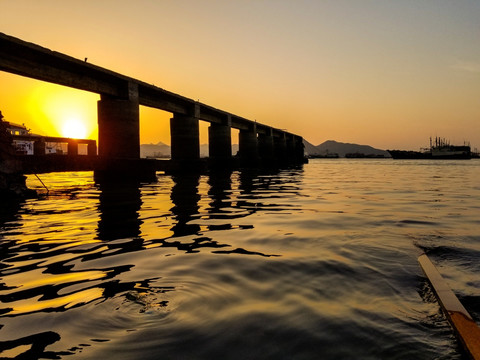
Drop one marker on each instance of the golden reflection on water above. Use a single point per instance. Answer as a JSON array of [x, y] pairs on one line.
[[12, 353], [54, 181], [19, 281], [65, 302], [331, 245]]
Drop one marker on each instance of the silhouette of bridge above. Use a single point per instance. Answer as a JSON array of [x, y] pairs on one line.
[[118, 115]]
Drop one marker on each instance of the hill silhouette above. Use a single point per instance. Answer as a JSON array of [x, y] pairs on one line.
[[342, 149], [162, 150], [158, 150]]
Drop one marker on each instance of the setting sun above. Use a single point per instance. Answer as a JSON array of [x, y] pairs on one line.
[[74, 128]]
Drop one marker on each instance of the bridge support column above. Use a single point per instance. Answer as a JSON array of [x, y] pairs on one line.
[[118, 128], [92, 148], [72, 147], [220, 144], [299, 152], [39, 147], [248, 147], [280, 144], [266, 148], [185, 142], [119, 139], [290, 148]]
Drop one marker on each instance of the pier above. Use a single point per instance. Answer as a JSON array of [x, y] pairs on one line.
[[260, 145]]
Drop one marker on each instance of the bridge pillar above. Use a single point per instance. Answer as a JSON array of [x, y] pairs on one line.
[[248, 147], [290, 148], [72, 148], [92, 147], [185, 141], [118, 128], [299, 152], [220, 143], [280, 144], [119, 139], [266, 148], [39, 146]]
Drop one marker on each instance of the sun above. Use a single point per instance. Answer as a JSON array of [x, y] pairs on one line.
[[74, 128]]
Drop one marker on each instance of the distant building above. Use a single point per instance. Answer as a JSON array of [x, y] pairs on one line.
[[26, 143], [59, 148], [16, 129], [22, 146]]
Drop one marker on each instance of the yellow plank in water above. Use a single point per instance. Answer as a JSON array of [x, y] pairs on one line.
[[467, 330]]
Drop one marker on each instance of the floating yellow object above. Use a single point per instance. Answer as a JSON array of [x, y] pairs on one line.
[[466, 329]]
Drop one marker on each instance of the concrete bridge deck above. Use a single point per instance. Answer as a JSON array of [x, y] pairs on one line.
[[118, 110]]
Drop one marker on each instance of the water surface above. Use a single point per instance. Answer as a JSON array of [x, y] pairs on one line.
[[315, 262]]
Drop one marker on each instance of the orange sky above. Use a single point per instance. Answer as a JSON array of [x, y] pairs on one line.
[[384, 73]]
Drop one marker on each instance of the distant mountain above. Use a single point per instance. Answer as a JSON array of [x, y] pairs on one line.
[[204, 150], [342, 149], [161, 150], [311, 149]]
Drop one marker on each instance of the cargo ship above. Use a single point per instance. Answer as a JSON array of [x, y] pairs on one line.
[[439, 149]]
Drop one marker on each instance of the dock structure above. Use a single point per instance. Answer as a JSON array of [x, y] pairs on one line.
[[119, 116], [466, 329]]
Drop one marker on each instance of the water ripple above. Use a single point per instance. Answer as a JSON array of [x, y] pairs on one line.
[[285, 265]]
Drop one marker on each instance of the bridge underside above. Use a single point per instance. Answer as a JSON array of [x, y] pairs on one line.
[[118, 116]]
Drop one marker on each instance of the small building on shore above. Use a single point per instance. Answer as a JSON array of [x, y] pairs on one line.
[[26, 143], [22, 152], [22, 146], [12, 180]]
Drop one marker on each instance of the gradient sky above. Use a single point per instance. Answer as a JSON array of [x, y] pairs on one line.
[[384, 73]]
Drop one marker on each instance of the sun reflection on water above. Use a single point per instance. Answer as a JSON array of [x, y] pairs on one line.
[[58, 303], [297, 259]]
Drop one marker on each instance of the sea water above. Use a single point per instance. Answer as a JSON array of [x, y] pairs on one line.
[[317, 262]]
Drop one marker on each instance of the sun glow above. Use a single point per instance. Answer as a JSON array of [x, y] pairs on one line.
[[74, 128], [52, 110]]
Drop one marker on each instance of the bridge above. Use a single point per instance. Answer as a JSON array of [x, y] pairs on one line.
[[119, 120]]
